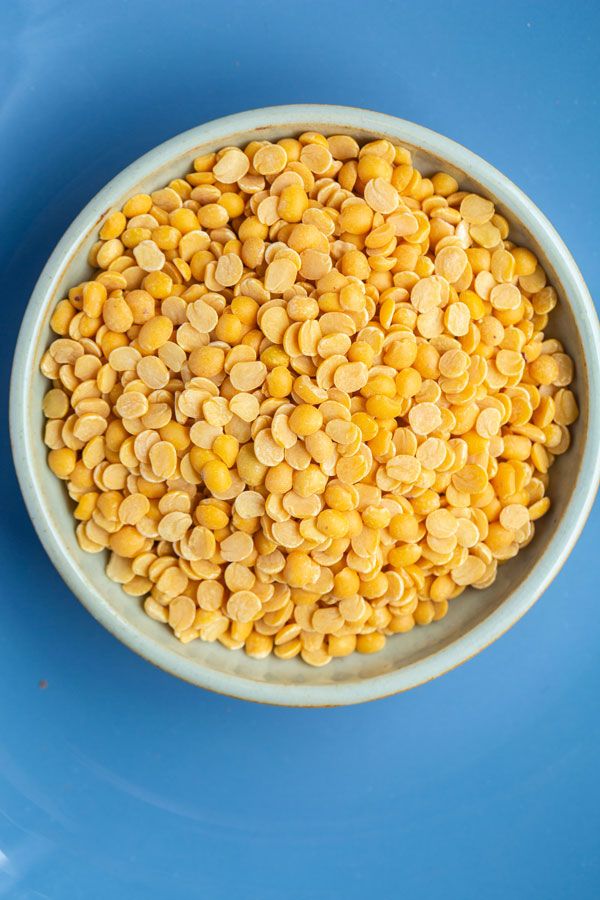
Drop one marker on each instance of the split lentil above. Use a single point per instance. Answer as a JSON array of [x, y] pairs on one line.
[[306, 397]]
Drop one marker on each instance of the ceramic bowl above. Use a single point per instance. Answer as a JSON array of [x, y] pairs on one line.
[[474, 620]]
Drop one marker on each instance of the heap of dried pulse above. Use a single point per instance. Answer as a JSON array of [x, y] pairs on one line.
[[305, 398]]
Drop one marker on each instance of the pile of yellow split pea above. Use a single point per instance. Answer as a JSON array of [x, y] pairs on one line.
[[305, 398]]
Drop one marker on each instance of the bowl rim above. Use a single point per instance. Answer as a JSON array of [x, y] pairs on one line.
[[510, 610]]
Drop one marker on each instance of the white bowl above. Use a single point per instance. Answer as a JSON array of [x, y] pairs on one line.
[[478, 617]]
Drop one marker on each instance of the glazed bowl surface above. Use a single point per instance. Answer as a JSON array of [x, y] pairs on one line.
[[478, 617]]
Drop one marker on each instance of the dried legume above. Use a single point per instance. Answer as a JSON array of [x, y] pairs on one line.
[[306, 397]]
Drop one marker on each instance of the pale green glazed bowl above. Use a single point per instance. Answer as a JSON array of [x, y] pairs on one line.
[[478, 617]]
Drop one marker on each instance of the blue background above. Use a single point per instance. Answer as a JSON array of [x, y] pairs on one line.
[[115, 779]]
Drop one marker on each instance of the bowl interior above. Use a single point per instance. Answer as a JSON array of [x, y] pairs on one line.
[[206, 663]]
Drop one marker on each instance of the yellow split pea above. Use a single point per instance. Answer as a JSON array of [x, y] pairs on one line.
[[306, 398]]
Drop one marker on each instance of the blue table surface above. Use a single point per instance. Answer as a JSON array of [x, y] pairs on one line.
[[116, 780]]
